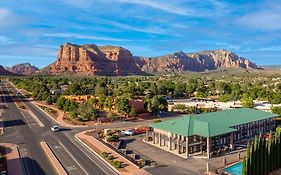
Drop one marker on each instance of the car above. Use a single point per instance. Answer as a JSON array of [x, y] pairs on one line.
[[128, 132], [137, 132], [55, 128]]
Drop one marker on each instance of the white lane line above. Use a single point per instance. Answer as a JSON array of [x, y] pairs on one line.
[[25, 119], [89, 149], [35, 118], [73, 157]]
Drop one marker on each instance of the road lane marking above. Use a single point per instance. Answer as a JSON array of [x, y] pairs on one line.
[[53, 159], [71, 168], [91, 152], [25, 119], [73, 157], [58, 147]]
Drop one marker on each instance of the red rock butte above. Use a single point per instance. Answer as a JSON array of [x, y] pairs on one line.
[[90, 59]]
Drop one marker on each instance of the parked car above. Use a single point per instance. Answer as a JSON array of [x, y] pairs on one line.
[[55, 128], [137, 132], [267, 136], [143, 129], [128, 132]]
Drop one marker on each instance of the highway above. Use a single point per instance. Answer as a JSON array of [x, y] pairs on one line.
[[21, 129]]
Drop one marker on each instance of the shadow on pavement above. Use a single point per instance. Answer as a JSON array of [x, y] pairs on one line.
[[65, 129], [33, 166], [10, 123]]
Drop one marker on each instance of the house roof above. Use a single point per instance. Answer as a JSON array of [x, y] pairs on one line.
[[212, 124]]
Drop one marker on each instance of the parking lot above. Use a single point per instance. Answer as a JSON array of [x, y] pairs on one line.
[[167, 163]]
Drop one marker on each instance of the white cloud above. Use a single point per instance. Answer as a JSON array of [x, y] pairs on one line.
[[4, 12], [152, 30], [8, 19], [272, 48], [160, 5], [80, 36], [83, 4], [266, 17], [6, 40]]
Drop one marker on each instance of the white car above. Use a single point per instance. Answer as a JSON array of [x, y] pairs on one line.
[[55, 128], [129, 132]]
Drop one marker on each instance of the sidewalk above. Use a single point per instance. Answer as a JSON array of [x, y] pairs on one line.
[[128, 167], [13, 159], [58, 119]]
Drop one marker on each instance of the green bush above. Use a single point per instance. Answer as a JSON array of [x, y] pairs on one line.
[[157, 121], [109, 157], [104, 154], [117, 164], [113, 138]]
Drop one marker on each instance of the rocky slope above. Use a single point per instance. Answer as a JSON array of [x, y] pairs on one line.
[[93, 60], [201, 61], [23, 69], [90, 59], [3, 71]]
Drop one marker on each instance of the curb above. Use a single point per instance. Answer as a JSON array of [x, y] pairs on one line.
[[36, 118], [53, 159], [44, 112], [63, 125], [32, 114], [101, 158]]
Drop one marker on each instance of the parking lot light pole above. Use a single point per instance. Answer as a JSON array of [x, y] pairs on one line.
[[97, 134]]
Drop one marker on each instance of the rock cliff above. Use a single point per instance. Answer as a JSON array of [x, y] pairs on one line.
[[23, 69], [90, 59], [201, 61]]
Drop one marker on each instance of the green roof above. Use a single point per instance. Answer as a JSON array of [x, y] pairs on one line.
[[213, 123]]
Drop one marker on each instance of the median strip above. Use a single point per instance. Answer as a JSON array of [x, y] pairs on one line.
[[36, 118], [55, 162]]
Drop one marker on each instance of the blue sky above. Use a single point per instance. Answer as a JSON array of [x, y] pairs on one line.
[[32, 30]]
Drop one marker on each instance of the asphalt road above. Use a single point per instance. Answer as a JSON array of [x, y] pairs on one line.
[[22, 129]]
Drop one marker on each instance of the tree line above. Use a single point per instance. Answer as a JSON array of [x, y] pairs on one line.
[[263, 156]]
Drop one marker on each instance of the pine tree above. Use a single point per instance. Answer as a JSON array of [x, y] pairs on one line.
[[244, 166], [248, 159]]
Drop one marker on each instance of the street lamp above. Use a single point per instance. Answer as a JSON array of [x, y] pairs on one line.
[[97, 134]]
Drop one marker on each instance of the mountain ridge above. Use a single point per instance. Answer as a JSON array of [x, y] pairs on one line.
[[90, 59], [22, 69]]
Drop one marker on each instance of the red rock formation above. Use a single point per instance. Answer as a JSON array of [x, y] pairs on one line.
[[202, 61], [23, 69], [3, 71], [94, 60], [112, 60]]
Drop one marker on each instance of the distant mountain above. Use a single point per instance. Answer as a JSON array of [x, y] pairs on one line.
[[89, 59], [198, 62], [23, 69], [3, 71], [271, 66]]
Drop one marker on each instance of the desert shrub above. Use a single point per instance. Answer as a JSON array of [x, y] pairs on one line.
[[104, 154], [157, 121], [117, 164], [109, 157], [113, 138]]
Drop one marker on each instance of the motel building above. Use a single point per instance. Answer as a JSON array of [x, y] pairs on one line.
[[209, 134]]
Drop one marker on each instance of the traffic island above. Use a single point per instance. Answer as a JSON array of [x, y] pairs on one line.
[[113, 159], [53, 159]]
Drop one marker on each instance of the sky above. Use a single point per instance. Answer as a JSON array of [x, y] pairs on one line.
[[32, 30]]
